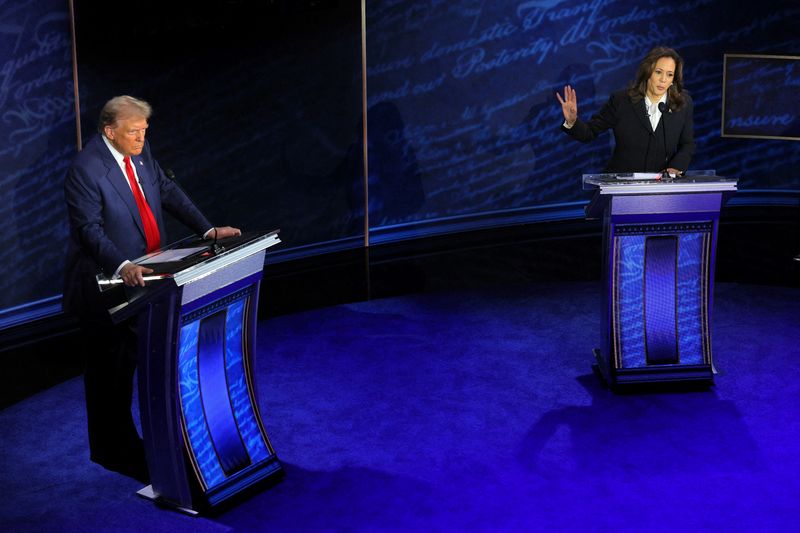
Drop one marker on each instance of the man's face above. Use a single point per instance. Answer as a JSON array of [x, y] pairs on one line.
[[127, 135]]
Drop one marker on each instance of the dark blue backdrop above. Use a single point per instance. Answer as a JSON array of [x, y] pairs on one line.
[[258, 110], [37, 143]]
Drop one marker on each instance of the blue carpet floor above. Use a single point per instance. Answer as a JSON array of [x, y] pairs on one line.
[[466, 411]]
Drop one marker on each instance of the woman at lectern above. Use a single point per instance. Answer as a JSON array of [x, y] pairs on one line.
[[652, 119]]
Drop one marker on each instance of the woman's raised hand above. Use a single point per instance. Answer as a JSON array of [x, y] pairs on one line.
[[569, 105]]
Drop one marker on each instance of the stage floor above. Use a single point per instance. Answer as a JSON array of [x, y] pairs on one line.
[[469, 410]]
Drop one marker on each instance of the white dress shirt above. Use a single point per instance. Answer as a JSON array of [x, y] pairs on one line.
[[653, 113]]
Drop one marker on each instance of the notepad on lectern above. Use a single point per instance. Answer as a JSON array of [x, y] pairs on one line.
[[638, 176]]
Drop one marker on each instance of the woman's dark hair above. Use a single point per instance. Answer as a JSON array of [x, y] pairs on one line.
[[638, 87]]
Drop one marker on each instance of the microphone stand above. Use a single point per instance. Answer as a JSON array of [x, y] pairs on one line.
[[664, 108], [649, 138]]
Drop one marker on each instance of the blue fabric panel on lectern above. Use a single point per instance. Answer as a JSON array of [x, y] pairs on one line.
[[690, 298], [630, 280], [214, 390], [237, 384], [192, 407], [660, 300]]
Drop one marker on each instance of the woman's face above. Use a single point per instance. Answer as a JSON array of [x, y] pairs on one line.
[[661, 78]]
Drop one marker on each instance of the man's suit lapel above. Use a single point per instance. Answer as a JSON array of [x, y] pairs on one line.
[[120, 183]]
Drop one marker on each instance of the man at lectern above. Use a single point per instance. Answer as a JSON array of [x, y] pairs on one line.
[[116, 194], [652, 120]]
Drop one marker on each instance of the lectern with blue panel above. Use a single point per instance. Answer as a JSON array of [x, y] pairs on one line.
[[659, 245], [204, 437]]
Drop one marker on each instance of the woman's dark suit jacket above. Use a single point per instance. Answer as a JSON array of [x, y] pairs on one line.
[[639, 148]]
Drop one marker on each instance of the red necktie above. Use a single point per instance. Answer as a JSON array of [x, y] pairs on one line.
[[151, 234]]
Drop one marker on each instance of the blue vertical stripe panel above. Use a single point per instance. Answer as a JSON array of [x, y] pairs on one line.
[[690, 298], [630, 302], [661, 329], [192, 408], [237, 384], [214, 390]]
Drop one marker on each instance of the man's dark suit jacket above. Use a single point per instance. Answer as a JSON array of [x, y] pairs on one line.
[[639, 148], [105, 226]]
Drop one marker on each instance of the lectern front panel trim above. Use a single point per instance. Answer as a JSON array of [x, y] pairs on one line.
[[219, 278]]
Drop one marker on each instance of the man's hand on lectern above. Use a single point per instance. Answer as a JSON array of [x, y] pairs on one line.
[[133, 274], [223, 233]]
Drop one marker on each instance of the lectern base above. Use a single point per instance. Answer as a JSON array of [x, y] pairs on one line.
[[148, 494], [618, 377]]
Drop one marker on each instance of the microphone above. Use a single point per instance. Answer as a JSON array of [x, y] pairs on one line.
[[664, 108]]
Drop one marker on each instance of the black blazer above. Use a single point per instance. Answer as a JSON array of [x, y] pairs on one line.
[[639, 148]]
